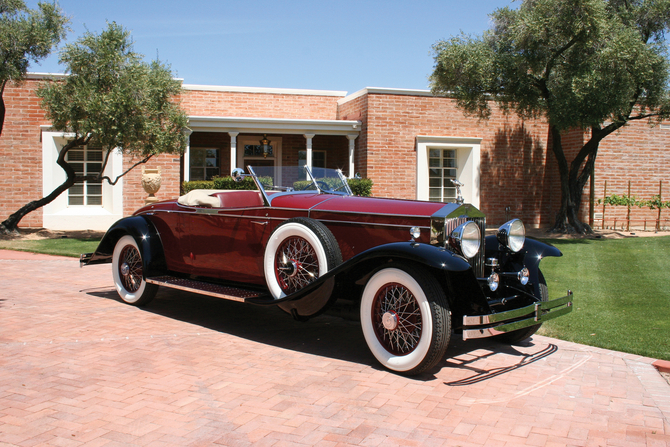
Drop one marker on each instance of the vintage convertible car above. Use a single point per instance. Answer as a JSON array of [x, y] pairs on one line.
[[417, 271]]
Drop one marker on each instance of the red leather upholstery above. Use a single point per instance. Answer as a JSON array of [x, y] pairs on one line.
[[239, 199]]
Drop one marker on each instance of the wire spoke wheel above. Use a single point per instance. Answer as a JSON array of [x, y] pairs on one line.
[[298, 252], [405, 319], [130, 268], [397, 319], [128, 273], [296, 264]]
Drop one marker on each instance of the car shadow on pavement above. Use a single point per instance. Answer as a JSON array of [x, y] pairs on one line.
[[325, 335]]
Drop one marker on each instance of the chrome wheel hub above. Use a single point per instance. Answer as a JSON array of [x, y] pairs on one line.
[[390, 321], [125, 269]]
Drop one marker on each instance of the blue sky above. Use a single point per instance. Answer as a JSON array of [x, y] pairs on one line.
[[325, 45]]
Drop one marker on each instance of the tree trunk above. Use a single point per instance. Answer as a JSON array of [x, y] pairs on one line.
[[2, 107], [572, 185], [10, 225], [574, 178]]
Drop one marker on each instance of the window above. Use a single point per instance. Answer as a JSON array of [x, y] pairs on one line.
[[85, 160], [204, 163], [318, 161], [441, 170]]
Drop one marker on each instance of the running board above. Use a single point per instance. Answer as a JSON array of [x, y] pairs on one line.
[[206, 288]]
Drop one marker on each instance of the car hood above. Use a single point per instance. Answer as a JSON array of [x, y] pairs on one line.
[[369, 205]]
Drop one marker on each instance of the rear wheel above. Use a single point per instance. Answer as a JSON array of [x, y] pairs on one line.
[[127, 270], [522, 334], [298, 252], [405, 319]]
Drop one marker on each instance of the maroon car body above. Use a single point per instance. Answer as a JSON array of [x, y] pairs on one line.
[[417, 271]]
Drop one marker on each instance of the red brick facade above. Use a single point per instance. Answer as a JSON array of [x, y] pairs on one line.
[[517, 178]]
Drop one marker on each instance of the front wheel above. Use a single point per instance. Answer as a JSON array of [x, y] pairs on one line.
[[405, 319], [128, 273]]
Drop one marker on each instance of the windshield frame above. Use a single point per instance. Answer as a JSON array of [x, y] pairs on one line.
[[320, 187]]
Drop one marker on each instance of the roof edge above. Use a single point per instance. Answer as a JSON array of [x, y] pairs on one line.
[[276, 91]]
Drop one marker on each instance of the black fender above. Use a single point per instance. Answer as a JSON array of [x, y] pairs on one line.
[[316, 297], [148, 240], [530, 255]]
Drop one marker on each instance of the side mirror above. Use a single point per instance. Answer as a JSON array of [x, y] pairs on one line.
[[237, 174]]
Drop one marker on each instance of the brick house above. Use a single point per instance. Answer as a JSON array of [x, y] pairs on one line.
[[408, 142]]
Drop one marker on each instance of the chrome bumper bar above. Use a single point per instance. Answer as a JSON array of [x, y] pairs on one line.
[[482, 326]]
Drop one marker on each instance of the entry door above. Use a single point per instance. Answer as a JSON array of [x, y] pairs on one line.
[[250, 152]]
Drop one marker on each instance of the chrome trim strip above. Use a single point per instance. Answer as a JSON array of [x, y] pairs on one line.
[[500, 323], [372, 224]]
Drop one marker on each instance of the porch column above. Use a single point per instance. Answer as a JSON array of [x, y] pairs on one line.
[[233, 150], [352, 139], [309, 137], [187, 154]]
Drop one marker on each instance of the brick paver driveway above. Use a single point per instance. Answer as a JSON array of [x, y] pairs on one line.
[[78, 367]]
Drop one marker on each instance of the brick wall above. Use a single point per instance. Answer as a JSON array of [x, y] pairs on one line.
[[259, 105], [21, 152], [513, 152], [518, 169], [638, 153]]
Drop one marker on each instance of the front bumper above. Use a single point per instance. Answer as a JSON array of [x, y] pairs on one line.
[[482, 326]]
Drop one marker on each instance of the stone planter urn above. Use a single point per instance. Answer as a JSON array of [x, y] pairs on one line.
[[151, 182]]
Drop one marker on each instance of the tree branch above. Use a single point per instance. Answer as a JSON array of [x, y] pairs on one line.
[[109, 180]]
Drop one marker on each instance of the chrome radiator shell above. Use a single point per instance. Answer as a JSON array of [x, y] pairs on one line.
[[451, 216]]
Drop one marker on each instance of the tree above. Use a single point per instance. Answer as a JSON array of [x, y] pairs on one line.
[[113, 99], [593, 65], [26, 35]]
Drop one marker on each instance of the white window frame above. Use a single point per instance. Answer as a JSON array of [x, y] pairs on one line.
[[85, 184], [468, 164], [57, 215], [192, 148]]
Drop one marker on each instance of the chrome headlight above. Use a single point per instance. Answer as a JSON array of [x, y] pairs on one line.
[[512, 235], [466, 239]]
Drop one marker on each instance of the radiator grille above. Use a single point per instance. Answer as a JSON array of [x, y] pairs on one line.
[[452, 223]]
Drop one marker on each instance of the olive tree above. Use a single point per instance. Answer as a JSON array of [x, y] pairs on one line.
[[26, 35], [591, 65], [111, 98]]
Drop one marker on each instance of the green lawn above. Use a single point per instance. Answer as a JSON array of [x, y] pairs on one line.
[[63, 247], [622, 293]]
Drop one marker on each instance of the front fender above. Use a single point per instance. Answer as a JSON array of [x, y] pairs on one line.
[[148, 240], [530, 255], [317, 296]]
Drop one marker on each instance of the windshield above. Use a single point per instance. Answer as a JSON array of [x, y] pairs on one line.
[[300, 178]]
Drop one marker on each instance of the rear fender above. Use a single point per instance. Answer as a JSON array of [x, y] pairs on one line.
[[148, 240]]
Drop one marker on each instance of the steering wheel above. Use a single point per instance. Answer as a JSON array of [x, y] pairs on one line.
[[323, 185]]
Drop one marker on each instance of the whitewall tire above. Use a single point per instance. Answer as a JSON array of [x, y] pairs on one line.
[[127, 270], [405, 319], [299, 251]]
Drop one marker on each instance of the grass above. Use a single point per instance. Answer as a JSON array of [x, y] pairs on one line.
[[62, 247], [622, 294], [621, 286]]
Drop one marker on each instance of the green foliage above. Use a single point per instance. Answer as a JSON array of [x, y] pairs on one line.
[[115, 97], [247, 183], [576, 62], [579, 64], [624, 200], [621, 299], [189, 186], [27, 35], [360, 187]]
